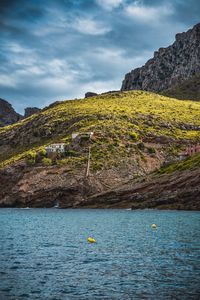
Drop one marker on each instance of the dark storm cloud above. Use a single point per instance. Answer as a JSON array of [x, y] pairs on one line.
[[59, 49]]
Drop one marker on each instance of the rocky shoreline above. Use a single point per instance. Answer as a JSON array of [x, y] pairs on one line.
[[60, 187]]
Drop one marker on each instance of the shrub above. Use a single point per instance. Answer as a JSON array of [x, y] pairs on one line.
[[43, 152], [31, 154], [31, 157], [134, 136], [151, 150], [141, 146], [71, 153], [47, 161], [30, 161]]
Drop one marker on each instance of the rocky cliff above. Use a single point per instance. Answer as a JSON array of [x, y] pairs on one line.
[[29, 111], [170, 66], [165, 192], [23, 186], [188, 89], [7, 114]]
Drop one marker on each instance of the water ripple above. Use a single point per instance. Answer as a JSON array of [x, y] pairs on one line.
[[45, 255]]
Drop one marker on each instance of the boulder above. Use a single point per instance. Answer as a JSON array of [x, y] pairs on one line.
[[29, 111], [90, 94]]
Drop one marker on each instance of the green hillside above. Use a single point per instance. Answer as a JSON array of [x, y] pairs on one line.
[[124, 123]]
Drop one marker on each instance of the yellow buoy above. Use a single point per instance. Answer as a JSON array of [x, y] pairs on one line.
[[91, 240], [153, 226]]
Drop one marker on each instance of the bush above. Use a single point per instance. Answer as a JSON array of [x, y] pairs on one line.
[[134, 136], [151, 150], [31, 157], [71, 153], [42, 152], [141, 146], [30, 161], [47, 161]]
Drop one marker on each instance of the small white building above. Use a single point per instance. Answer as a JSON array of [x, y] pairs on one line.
[[59, 147], [75, 134]]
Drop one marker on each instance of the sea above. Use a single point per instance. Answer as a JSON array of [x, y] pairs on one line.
[[44, 254]]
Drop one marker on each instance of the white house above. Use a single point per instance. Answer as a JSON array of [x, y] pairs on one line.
[[75, 134], [59, 147]]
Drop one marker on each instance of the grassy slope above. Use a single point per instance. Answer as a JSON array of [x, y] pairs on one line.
[[189, 163], [115, 118], [189, 89]]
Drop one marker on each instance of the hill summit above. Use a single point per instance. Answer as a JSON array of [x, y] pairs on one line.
[[170, 66]]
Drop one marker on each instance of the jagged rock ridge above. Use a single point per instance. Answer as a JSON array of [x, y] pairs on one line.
[[170, 66], [29, 111], [7, 114]]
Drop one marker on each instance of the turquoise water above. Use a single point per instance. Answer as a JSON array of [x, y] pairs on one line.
[[45, 255]]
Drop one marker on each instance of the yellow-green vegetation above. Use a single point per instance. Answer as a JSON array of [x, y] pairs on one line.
[[120, 121], [31, 157], [46, 161], [191, 162]]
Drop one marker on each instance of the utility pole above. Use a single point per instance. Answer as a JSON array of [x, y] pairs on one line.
[[88, 162]]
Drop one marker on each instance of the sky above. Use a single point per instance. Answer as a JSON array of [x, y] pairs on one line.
[[60, 49]]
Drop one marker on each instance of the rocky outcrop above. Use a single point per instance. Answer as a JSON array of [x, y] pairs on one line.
[[170, 66], [7, 114], [90, 94], [187, 90], [29, 111], [180, 190], [22, 186]]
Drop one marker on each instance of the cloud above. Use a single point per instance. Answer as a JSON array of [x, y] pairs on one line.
[[61, 49], [7, 81], [91, 27], [109, 4], [143, 13]]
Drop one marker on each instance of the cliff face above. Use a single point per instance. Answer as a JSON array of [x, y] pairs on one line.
[[170, 66], [22, 186], [179, 190], [188, 89], [7, 114], [29, 111]]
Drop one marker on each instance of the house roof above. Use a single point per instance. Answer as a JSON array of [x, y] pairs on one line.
[[55, 144]]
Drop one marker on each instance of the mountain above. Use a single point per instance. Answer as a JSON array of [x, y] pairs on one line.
[[7, 114], [135, 134], [170, 66]]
